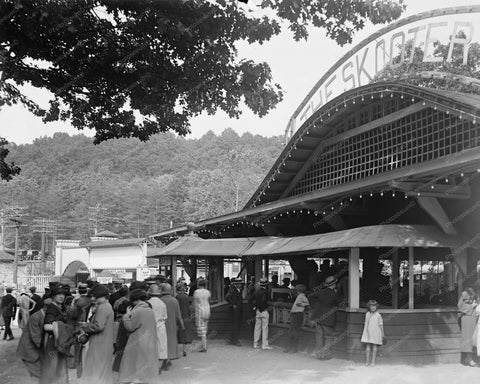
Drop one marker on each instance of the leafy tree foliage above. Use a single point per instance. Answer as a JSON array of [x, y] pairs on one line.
[[108, 62], [141, 187], [7, 171]]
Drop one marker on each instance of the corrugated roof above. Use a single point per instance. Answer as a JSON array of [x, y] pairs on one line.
[[114, 243], [387, 236]]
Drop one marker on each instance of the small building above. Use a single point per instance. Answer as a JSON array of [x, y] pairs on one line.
[[105, 256]]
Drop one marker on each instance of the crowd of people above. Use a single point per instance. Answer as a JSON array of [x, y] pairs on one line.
[[136, 331]]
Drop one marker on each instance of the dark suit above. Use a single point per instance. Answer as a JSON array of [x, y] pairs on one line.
[[8, 308], [324, 303], [235, 299], [29, 346]]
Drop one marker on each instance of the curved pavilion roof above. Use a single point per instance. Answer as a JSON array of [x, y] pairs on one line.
[[328, 123], [294, 160]]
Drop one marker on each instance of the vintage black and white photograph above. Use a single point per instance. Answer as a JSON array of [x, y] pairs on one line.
[[239, 191]]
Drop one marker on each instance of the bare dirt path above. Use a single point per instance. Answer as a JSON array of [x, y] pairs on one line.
[[227, 364]]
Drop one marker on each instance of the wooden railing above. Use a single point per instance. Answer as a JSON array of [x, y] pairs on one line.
[[40, 281]]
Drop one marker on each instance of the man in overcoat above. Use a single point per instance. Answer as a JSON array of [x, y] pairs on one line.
[[324, 303], [235, 301]]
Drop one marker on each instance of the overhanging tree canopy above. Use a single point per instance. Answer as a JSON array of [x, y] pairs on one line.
[[134, 68]]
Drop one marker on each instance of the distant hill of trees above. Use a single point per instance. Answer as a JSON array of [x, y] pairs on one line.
[[131, 187]]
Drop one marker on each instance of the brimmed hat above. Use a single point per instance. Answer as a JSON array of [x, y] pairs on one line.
[[154, 290], [165, 289], [263, 281], [99, 291], [330, 280], [58, 289], [372, 302]]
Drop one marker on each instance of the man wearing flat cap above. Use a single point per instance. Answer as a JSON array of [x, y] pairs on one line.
[[235, 301]]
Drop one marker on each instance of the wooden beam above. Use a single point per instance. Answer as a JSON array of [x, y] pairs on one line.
[[436, 211], [411, 278], [354, 278], [353, 132]]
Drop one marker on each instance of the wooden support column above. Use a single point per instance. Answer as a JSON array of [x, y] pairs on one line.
[[174, 274], [220, 276], [354, 278], [461, 263], [395, 278], [258, 267], [411, 278], [267, 267]]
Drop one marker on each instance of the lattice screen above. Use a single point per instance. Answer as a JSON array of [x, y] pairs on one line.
[[425, 135]]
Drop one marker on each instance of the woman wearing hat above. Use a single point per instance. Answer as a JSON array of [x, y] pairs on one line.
[[98, 361], [53, 363], [140, 358], [184, 336], [160, 312]]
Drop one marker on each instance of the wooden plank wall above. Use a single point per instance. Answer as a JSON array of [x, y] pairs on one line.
[[411, 337], [414, 338]]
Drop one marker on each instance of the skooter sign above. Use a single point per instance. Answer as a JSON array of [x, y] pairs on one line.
[[456, 28]]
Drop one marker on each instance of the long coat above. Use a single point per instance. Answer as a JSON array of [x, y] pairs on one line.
[[174, 318], [99, 358], [160, 311], [140, 357], [323, 303], [185, 336], [30, 344]]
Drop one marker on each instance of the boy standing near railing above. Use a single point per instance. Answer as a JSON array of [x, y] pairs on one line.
[[296, 318]]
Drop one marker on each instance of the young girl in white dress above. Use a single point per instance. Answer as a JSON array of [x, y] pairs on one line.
[[373, 333]]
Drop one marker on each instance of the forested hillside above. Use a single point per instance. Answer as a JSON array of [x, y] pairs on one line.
[[131, 187]]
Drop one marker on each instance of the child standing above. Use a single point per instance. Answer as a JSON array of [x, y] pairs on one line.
[[373, 333], [296, 318]]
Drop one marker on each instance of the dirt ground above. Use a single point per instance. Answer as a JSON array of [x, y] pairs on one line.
[[228, 364]]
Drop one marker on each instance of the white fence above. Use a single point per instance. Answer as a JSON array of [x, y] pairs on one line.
[[39, 280]]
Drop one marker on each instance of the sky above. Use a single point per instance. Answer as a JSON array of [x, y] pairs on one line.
[[296, 66]]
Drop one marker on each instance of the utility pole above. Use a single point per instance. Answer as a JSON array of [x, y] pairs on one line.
[[44, 226], [16, 223]]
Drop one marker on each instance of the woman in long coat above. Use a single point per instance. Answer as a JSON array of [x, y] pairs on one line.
[[160, 311], [184, 336], [467, 305], [53, 363], [174, 319], [99, 358], [140, 357]]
